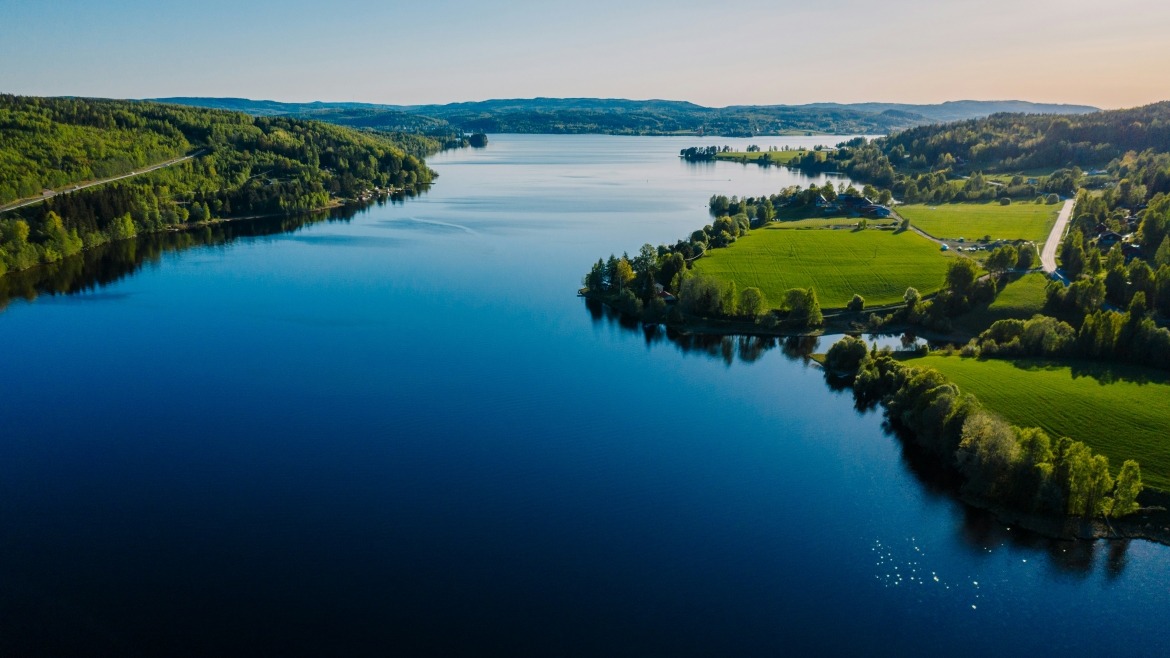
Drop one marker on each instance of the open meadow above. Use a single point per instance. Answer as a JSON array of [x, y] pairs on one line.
[[1018, 221], [1118, 410], [777, 157], [878, 265], [1020, 299]]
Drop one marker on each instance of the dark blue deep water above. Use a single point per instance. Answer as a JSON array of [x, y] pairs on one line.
[[402, 433]]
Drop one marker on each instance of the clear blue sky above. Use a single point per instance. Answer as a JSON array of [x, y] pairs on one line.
[[1110, 54]]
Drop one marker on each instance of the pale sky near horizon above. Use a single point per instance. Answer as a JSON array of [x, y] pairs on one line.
[[738, 52]]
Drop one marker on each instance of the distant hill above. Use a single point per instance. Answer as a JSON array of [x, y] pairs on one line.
[[962, 110], [631, 117], [262, 108]]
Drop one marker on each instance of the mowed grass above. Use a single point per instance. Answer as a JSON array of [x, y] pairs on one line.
[[777, 157], [1019, 300], [1019, 221], [1119, 411], [878, 265], [827, 222]]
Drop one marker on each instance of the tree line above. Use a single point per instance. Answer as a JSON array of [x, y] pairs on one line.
[[1020, 468], [633, 285]]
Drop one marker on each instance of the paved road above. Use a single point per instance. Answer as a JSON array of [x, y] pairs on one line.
[[82, 186], [1048, 256]]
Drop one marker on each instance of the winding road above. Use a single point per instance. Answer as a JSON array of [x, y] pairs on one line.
[[81, 186], [1048, 256]]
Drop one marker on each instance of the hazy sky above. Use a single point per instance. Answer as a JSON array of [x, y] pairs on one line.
[[1109, 54]]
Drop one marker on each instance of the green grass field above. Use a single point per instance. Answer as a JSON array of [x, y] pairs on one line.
[[1119, 411], [777, 157], [878, 265], [1019, 221], [1019, 300], [826, 222], [1022, 298]]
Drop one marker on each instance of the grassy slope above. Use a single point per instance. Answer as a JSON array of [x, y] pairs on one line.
[[1120, 411], [878, 265], [1019, 221], [1020, 300]]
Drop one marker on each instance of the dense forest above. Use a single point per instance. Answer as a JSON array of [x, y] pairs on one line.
[[629, 117], [246, 166]]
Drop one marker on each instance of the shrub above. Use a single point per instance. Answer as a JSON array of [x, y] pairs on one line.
[[845, 355]]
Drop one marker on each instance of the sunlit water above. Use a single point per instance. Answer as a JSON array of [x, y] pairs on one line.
[[403, 433]]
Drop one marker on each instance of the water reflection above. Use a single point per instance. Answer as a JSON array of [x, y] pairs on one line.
[[98, 267], [728, 349], [983, 533], [980, 531], [1117, 558], [741, 348], [802, 177]]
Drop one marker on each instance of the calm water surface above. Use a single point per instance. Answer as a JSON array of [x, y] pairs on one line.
[[403, 433]]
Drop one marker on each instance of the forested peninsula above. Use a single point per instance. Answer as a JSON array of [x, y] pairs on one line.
[[944, 239], [242, 166]]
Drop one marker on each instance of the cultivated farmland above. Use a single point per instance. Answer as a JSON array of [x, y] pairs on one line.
[[878, 265], [776, 157], [1119, 411], [1018, 221]]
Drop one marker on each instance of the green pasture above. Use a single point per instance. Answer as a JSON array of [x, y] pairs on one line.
[[1120, 411], [1022, 298], [1018, 221], [777, 157], [878, 265]]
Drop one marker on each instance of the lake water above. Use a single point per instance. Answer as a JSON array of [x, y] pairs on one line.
[[402, 433]]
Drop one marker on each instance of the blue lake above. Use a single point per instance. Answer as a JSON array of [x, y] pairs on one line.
[[402, 433]]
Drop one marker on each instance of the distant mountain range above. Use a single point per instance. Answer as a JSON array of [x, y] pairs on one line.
[[632, 117]]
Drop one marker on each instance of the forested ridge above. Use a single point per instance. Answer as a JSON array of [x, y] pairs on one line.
[[247, 166], [629, 117], [1029, 141]]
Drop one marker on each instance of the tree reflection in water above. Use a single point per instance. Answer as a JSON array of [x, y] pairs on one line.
[[980, 531], [96, 268]]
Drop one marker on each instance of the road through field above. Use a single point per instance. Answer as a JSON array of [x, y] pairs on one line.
[[1048, 256]]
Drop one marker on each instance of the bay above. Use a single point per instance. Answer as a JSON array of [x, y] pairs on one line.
[[400, 432]]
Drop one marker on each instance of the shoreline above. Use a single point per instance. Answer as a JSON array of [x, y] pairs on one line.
[[837, 321], [1150, 523], [190, 226]]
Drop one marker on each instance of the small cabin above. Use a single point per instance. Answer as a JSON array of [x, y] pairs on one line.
[[1108, 239]]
